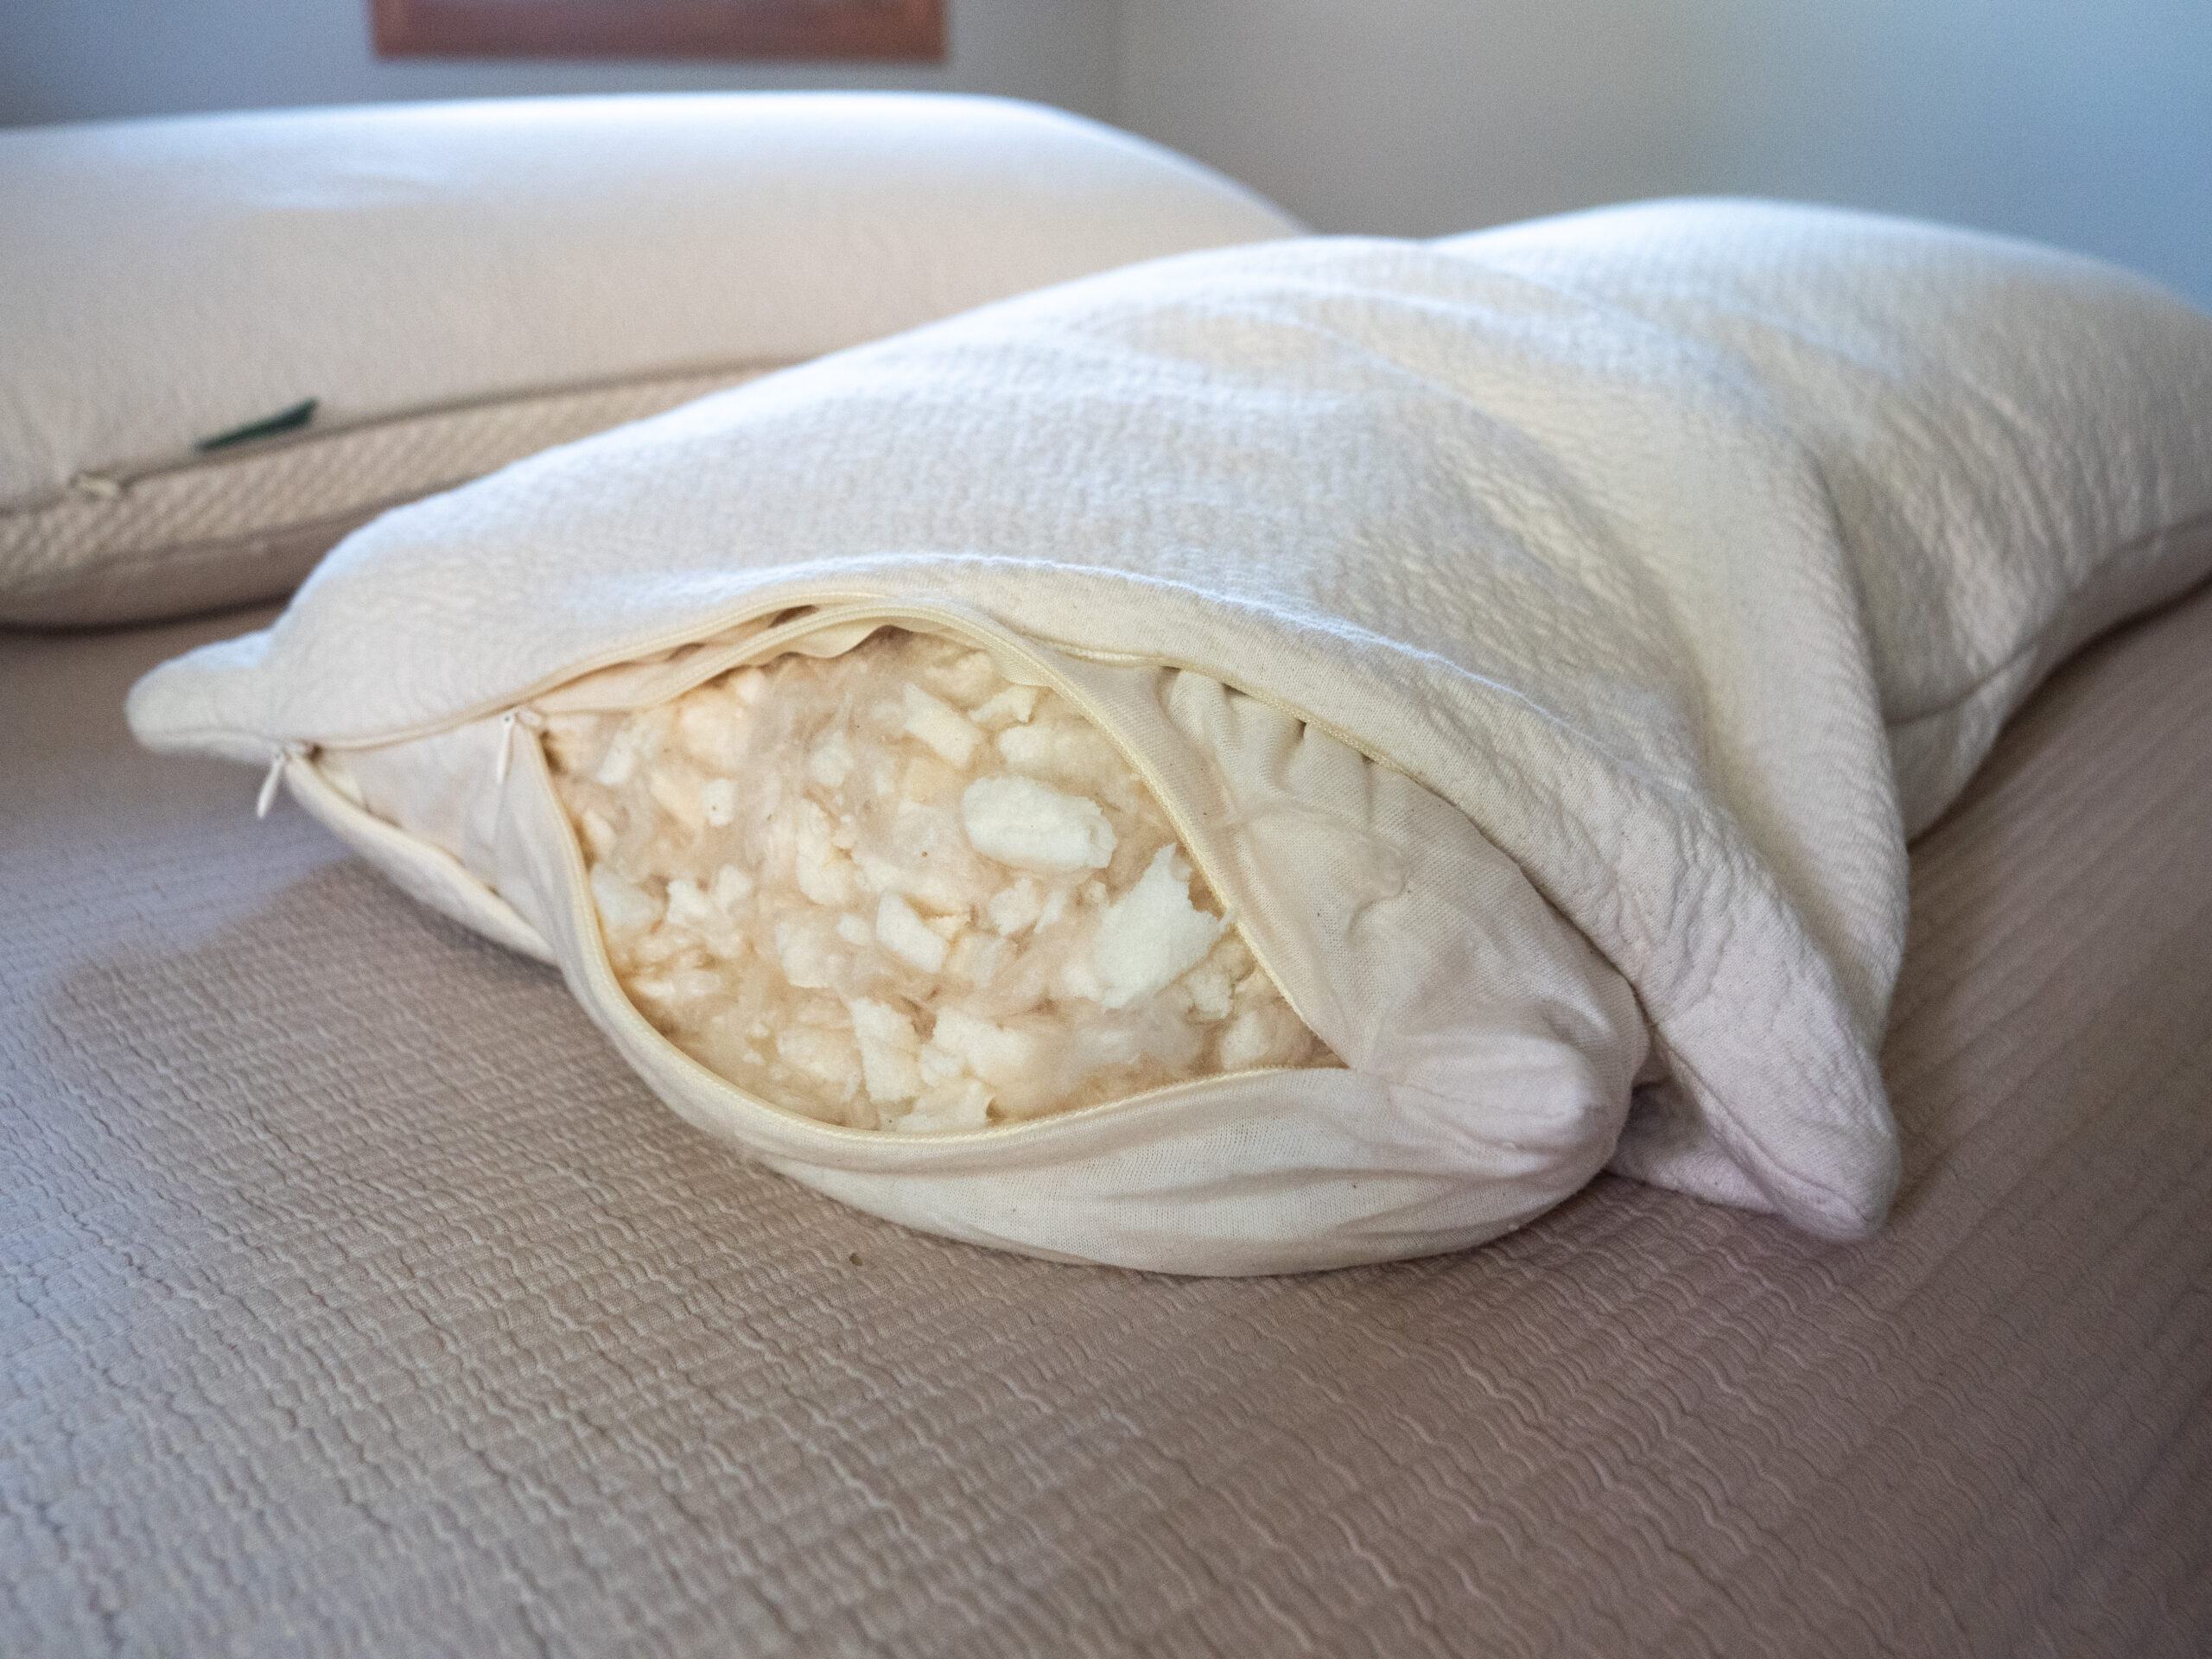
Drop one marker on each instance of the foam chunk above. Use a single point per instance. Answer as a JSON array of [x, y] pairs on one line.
[[808, 958], [718, 802], [825, 874], [1020, 822], [1011, 707], [889, 1046], [891, 891], [680, 797], [691, 906], [830, 761], [708, 727], [992, 1052], [906, 937], [1258, 1037], [964, 1104], [1014, 908], [624, 906], [1065, 749], [829, 1056], [619, 760], [1151, 934], [944, 727]]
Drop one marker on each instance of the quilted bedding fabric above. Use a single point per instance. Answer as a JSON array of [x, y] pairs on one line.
[[1546, 640]]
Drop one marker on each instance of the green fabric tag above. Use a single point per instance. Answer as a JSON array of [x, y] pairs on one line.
[[285, 420]]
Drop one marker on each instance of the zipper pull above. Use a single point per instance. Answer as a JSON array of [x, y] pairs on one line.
[[528, 718], [267, 798]]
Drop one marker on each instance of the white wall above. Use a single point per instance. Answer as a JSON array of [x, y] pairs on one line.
[[1413, 118], [86, 59], [2083, 122]]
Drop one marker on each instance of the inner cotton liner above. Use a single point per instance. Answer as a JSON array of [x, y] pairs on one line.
[[892, 889]]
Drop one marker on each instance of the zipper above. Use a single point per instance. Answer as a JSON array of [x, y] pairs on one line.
[[284, 757], [826, 610], [112, 481], [832, 612], [636, 651]]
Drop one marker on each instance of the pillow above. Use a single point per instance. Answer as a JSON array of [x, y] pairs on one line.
[[1535, 642], [231, 339]]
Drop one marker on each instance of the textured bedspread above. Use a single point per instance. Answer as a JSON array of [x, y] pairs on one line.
[[365, 1303]]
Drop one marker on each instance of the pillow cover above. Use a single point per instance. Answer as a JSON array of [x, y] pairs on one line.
[[1538, 641], [231, 339]]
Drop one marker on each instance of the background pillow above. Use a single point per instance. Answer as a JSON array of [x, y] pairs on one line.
[[228, 339]]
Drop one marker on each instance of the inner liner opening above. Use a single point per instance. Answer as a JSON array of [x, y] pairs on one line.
[[893, 889]]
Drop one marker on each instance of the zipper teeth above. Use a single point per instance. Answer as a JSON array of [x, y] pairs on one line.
[[691, 634], [831, 610], [126, 474], [823, 612]]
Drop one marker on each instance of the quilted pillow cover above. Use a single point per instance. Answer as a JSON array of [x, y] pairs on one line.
[[1543, 640], [229, 338]]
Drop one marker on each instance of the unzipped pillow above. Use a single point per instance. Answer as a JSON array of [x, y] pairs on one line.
[[1539, 645]]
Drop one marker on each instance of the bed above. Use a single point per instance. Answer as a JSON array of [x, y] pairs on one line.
[[433, 1351], [366, 1302]]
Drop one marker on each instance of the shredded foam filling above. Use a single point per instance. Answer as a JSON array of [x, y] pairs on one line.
[[891, 889]]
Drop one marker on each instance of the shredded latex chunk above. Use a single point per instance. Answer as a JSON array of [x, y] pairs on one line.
[[892, 890]]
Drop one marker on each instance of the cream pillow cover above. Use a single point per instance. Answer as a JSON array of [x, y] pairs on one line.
[[228, 340], [1540, 640]]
